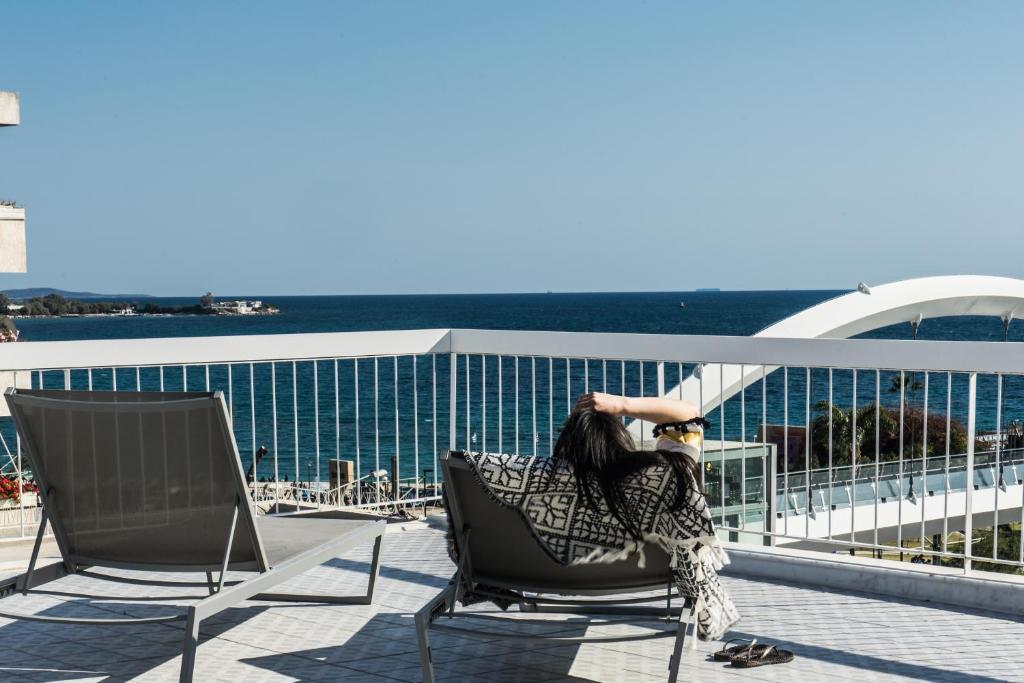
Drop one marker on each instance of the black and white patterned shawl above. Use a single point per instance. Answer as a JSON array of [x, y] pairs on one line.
[[572, 532]]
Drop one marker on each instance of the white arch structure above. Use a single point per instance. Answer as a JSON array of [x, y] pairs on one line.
[[907, 301]]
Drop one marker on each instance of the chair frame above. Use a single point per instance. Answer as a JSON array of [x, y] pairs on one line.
[[533, 599], [222, 594]]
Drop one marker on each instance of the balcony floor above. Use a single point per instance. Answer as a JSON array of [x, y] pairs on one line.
[[836, 636]]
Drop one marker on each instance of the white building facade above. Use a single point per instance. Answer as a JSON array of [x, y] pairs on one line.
[[13, 254]]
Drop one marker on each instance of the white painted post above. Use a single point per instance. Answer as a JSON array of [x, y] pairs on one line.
[[972, 407], [453, 361]]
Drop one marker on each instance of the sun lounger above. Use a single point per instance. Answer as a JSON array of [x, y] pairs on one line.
[[499, 557], [153, 482]]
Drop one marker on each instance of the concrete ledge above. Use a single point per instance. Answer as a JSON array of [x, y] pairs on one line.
[[913, 582]]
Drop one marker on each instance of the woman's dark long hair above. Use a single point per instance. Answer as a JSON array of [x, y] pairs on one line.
[[600, 451]]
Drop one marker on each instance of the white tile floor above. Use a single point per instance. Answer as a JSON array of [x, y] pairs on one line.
[[836, 636]]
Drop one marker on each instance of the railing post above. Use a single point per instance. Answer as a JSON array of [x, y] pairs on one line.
[[661, 379], [453, 359], [972, 407], [395, 489], [771, 452]]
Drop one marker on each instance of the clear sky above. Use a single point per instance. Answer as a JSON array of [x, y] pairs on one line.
[[385, 147]]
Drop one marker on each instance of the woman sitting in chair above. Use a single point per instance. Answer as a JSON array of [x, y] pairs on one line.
[[598, 499]]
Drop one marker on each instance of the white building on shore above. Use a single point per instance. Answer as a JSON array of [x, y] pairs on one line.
[[241, 307]]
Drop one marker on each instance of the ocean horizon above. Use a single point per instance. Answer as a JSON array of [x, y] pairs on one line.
[[705, 312]]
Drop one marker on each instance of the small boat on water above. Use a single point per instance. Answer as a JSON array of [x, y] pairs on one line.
[[682, 304]]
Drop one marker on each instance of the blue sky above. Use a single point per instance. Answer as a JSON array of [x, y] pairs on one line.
[[357, 147]]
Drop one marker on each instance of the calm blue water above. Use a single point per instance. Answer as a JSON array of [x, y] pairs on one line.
[[376, 436], [706, 313], [734, 313]]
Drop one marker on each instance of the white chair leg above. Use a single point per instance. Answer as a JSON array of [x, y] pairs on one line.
[[440, 603], [188, 649], [423, 638]]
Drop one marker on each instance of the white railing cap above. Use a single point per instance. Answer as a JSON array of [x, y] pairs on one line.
[[985, 357]]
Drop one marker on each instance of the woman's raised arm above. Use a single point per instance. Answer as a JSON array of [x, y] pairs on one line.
[[657, 410]]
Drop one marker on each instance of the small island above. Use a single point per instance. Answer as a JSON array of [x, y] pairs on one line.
[[56, 305]]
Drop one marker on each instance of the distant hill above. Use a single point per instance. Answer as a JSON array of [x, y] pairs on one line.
[[30, 292]]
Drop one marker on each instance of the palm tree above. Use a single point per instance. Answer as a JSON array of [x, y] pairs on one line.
[[843, 437], [907, 380], [885, 422], [910, 385]]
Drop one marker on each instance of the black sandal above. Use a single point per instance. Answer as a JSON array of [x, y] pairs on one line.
[[762, 655], [726, 654]]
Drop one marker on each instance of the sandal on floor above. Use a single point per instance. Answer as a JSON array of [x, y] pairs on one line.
[[761, 655], [726, 654]]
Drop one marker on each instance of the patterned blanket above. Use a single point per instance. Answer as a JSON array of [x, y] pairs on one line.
[[572, 532]]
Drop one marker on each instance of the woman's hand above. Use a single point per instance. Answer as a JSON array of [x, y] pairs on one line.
[[602, 403]]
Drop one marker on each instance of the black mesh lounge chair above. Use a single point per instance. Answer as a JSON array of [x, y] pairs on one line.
[[153, 481], [499, 557]]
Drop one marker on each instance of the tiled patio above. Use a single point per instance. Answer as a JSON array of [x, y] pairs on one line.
[[836, 636]]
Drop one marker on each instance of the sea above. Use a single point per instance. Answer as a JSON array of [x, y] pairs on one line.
[[725, 313], [300, 431]]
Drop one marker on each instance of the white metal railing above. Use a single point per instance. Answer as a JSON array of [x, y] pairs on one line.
[[390, 401]]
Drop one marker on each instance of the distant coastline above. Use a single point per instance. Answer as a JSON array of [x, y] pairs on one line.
[[55, 305], [33, 292]]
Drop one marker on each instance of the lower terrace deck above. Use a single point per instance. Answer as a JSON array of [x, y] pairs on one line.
[[837, 636]]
